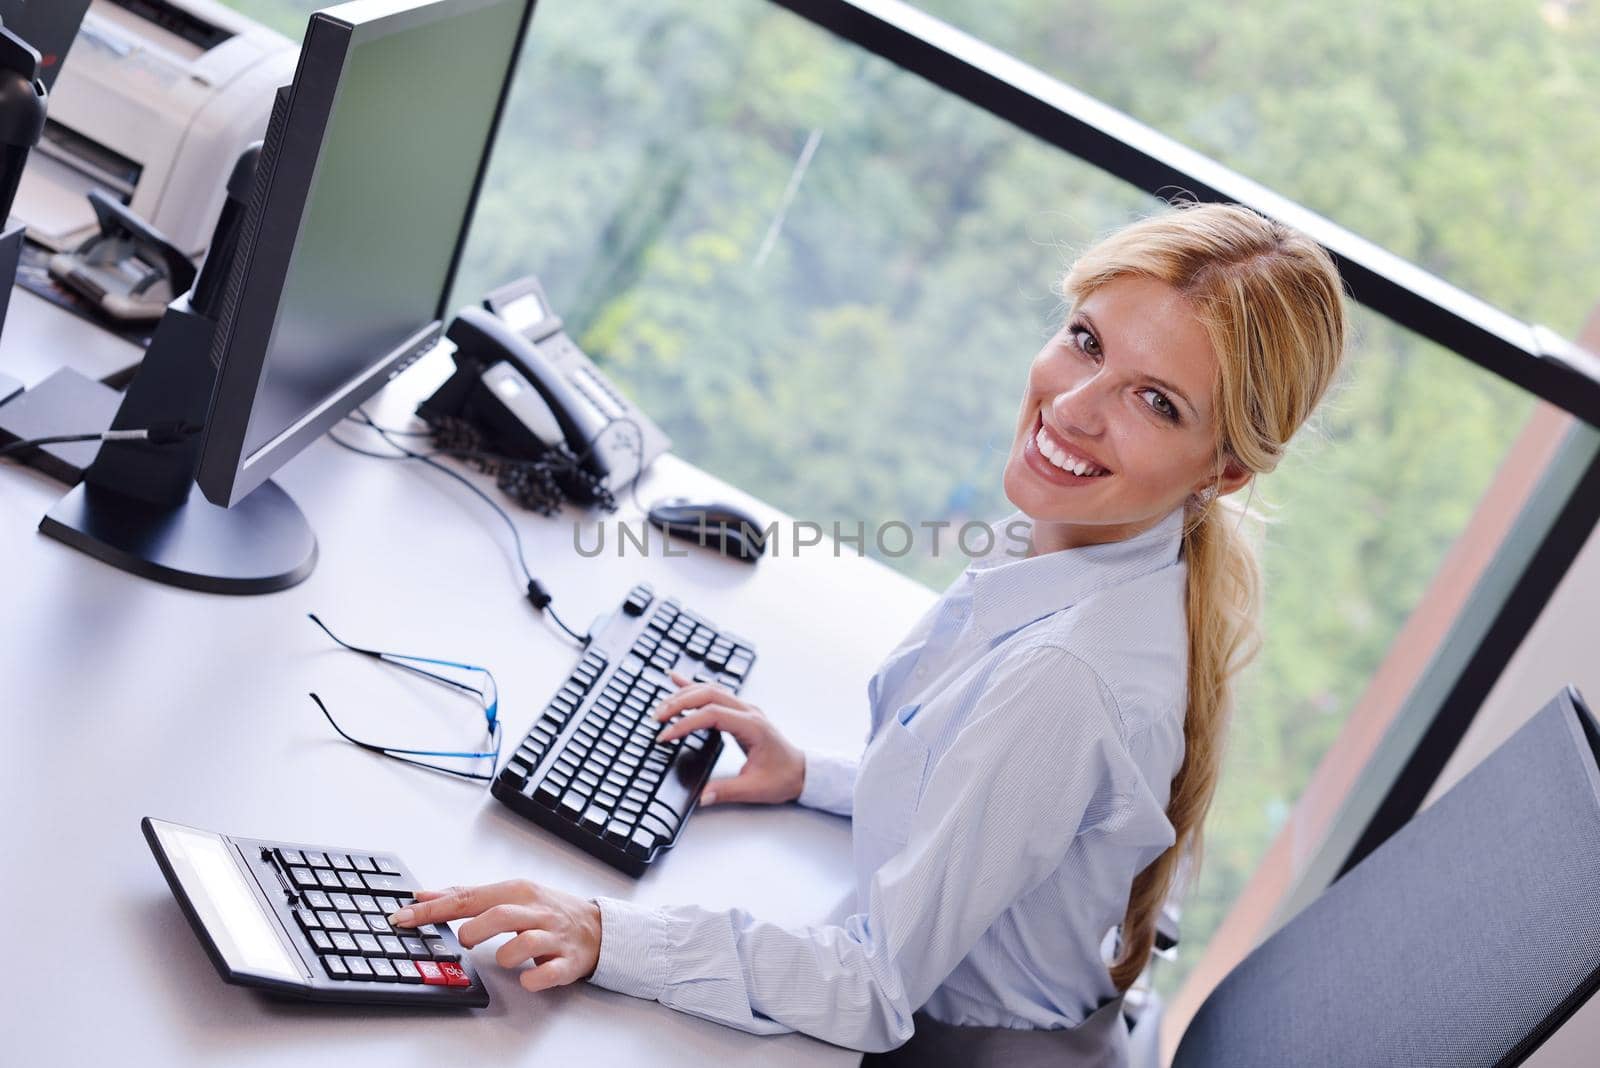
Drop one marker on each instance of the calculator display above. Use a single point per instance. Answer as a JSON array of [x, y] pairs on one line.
[[223, 900]]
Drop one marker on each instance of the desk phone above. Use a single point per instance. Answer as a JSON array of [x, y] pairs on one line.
[[309, 921]]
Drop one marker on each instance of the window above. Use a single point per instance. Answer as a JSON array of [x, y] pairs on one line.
[[1462, 138]]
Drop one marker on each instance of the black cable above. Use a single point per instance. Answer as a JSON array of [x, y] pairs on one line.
[[636, 441], [536, 593], [164, 434], [391, 430], [31, 443]]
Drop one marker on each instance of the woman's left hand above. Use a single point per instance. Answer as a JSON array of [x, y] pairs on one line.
[[559, 932]]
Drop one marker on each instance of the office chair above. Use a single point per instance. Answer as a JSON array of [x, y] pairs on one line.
[[1465, 939]]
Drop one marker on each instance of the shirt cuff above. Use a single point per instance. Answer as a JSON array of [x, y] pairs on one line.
[[633, 950], [830, 783]]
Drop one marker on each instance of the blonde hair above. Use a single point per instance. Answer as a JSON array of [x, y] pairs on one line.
[[1271, 302]]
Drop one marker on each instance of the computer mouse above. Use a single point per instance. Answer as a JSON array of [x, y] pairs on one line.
[[712, 524]]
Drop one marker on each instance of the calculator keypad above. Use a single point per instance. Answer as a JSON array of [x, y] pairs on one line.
[[344, 902]]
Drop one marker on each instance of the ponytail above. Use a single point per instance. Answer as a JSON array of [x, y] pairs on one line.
[[1222, 601]]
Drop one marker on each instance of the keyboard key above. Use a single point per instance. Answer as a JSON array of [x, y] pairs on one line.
[[342, 902], [386, 865], [351, 880], [327, 878], [547, 794], [594, 819], [617, 833], [341, 860], [343, 942], [359, 968], [304, 878], [431, 973], [307, 919], [331, 921], [368, 944], [377, 924], [442, 951], [317, 899], [642, 842], [291, 858], [391, 946], [316, 859], [407, 971], [454, 974], [415, 947], [363, 863], [516, 771], [387, 884], [650, 821], [321, 941], [572, 805], [337, 969], [366, 903], [429, 931], [383, 971]]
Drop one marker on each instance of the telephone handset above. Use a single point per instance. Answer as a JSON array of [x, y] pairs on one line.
[[526, 387]]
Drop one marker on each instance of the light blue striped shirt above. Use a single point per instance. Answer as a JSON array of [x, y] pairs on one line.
[[1023, 741]]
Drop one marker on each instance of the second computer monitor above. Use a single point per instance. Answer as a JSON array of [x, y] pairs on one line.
[[366, 186], [50, 26]]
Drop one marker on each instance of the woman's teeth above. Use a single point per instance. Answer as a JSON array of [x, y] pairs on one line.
[[1065, 460]]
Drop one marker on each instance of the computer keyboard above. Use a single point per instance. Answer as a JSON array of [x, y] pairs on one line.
[[590, 769]]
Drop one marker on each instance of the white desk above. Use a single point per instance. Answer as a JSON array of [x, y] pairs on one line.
[[123, 698]]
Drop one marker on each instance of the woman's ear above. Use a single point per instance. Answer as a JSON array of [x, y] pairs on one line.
[[1235, 476]]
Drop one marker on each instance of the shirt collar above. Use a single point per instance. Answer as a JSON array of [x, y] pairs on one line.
[[1010, 592]]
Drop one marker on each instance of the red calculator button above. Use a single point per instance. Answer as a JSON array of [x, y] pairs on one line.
[[454, 974], [431, 973]]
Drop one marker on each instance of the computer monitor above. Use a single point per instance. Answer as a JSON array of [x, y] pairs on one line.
[[50, 26], [359, 207]]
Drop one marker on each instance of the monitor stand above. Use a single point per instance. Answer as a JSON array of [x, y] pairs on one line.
[[138, 507]]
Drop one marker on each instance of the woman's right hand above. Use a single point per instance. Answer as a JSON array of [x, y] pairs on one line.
[[774, 770]]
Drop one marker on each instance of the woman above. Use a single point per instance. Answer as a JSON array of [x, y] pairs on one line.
[[1045, 742]]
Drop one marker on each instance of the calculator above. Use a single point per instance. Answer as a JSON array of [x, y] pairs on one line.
[[310, 921]]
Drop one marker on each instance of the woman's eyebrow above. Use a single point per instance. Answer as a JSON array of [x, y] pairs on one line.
[[1163, 383]]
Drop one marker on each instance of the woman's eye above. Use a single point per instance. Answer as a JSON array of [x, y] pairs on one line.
[[1160, 403], [1085, 341]]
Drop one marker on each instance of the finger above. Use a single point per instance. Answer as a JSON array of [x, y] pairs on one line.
[[437, 906], [719, 717], [557, 971], [693, 696], [498, 920], [527, 946]]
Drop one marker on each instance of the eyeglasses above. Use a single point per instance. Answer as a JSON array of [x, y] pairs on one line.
[[488, 694]]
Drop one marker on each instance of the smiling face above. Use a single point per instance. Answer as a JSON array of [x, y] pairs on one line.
[[1118, 424]]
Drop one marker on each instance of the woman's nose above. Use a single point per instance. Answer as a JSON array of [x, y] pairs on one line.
[[1080, 407]]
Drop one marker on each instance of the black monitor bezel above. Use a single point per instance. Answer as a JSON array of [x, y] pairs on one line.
[[276, 213]]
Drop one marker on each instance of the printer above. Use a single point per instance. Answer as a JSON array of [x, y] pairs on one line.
[[153, 105]]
